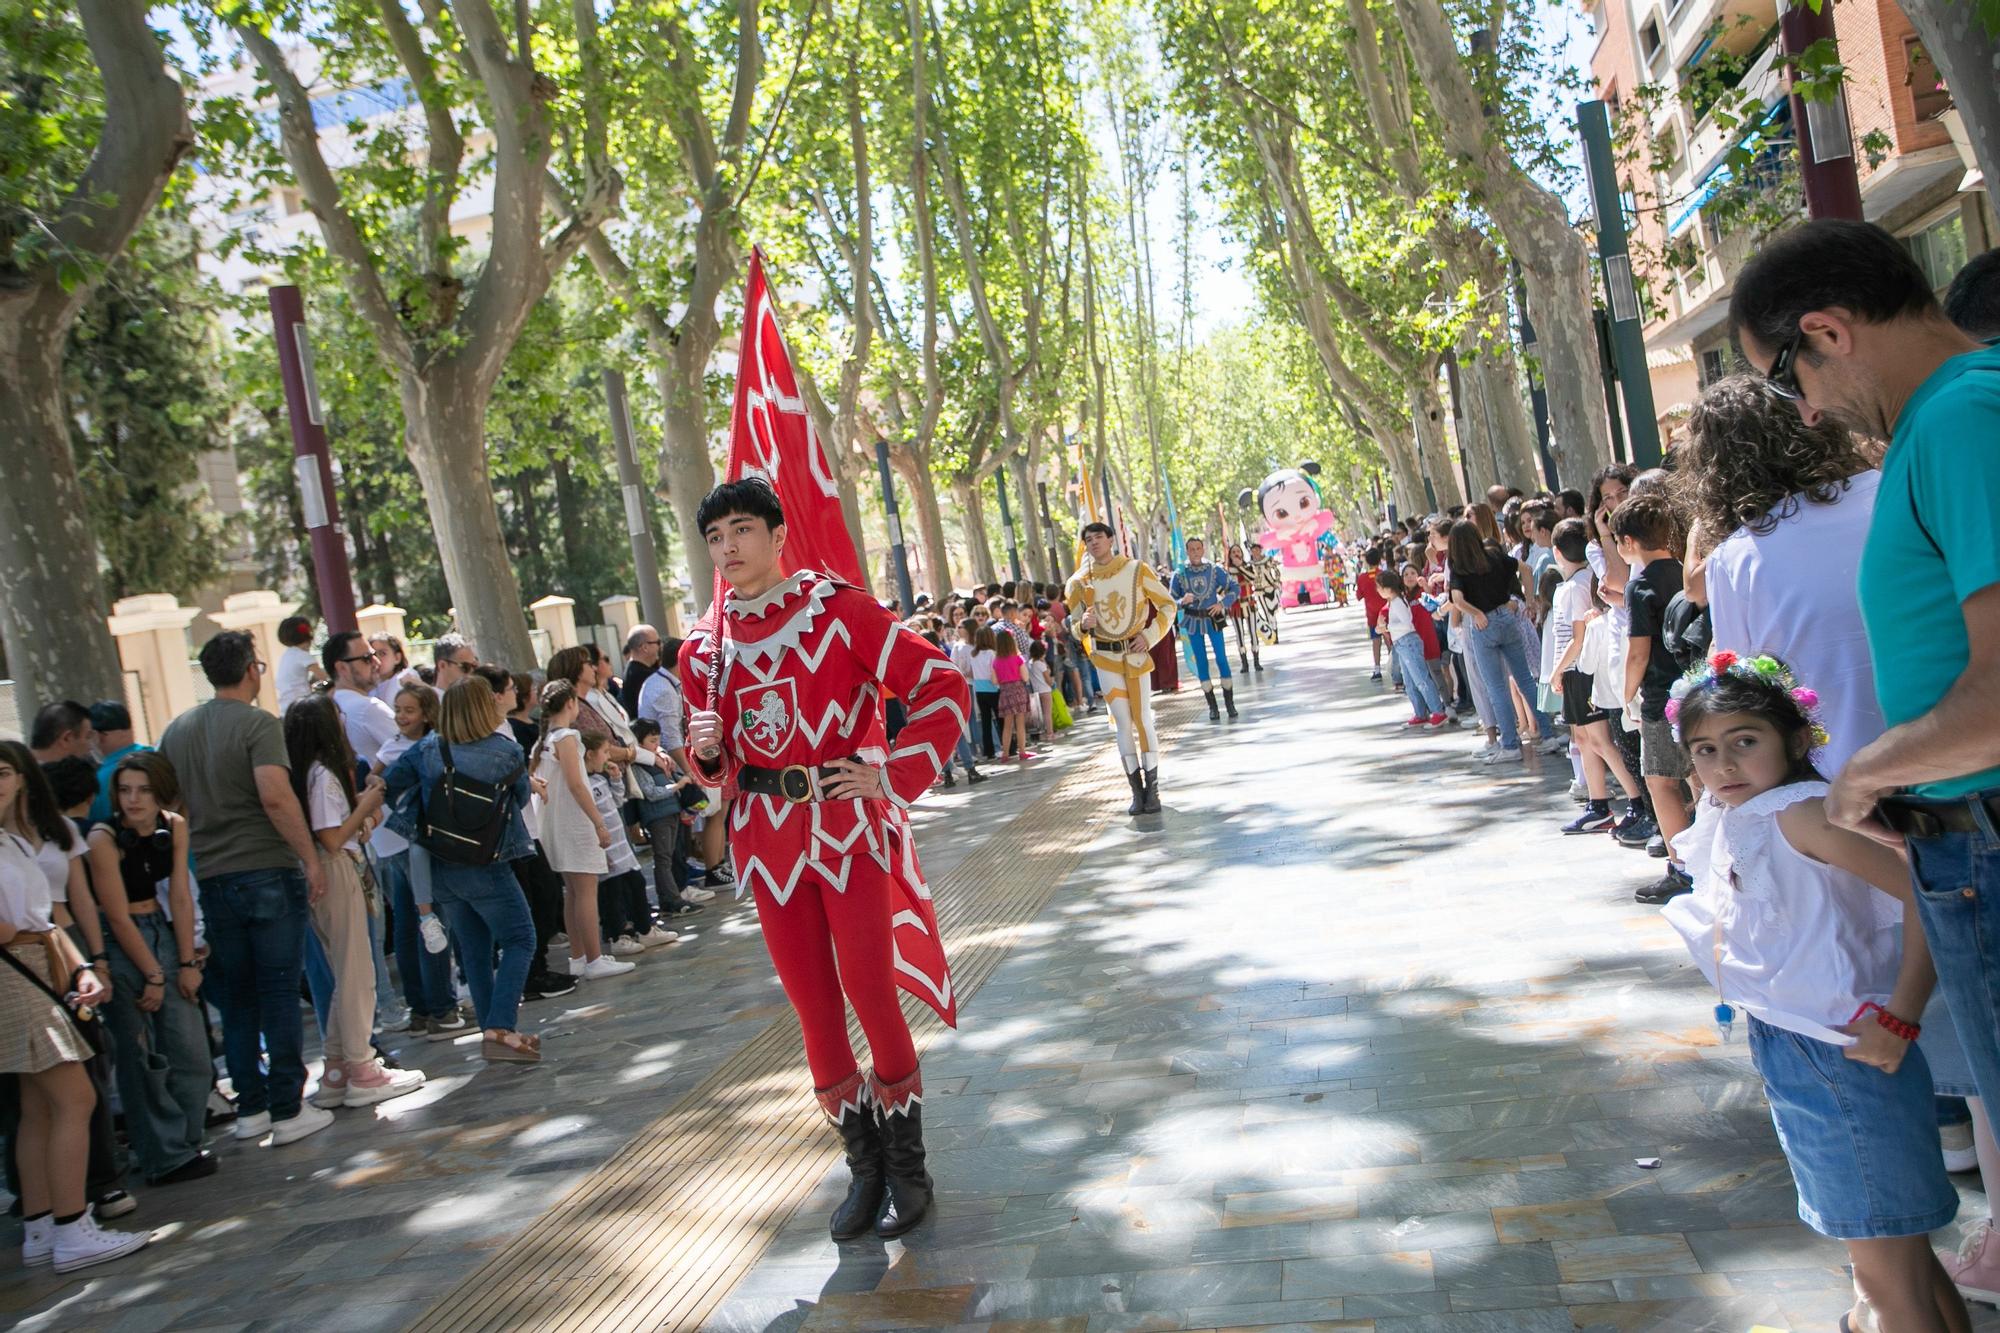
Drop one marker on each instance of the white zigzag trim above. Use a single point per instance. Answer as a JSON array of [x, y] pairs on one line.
[[760, 605], [889, 648], [752, 656], [942, 994], [928, 709]]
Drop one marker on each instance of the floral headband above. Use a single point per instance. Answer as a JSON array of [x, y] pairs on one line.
[[1763, 667]]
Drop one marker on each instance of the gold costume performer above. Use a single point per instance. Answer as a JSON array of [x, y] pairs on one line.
[[1110, 596]]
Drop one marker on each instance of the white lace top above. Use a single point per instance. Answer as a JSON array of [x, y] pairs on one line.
[[1803, 944]]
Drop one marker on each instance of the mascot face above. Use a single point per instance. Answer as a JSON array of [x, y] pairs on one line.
[[1288, 500]]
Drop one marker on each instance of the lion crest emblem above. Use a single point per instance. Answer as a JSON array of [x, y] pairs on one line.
[[766, 715]]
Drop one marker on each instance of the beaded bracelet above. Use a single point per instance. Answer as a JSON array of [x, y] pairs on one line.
[[1899, 1027]]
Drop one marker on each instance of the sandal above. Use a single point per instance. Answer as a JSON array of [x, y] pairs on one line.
[[510, 1048]]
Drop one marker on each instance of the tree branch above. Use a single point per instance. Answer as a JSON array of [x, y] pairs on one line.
[[446, 146]]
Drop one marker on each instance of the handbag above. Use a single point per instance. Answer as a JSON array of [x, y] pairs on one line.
[[80, 1017], [465, 818]]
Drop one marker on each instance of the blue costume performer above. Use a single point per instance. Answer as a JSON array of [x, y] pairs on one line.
[[1205, 592]]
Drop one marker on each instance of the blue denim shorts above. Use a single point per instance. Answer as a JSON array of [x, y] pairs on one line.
[[1862, 1145]]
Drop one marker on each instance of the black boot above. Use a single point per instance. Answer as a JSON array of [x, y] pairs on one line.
[[901, 1109], [1214, 713], [1257, 663], [949, 781], [1229, 698], [1246, 663], [1152, 791], [849, 1100], [1138, 793]]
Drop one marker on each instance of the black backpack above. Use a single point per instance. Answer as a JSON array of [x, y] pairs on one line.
[[465, 818]]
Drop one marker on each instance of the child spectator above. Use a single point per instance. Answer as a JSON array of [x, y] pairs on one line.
[[573, 836], [1012, 700], [659, 812], [1399, 626], [1573, 620], [624, 918], [1373, 605], [1647, 535], [296, 671], [1786, 926], [1042, 689], [985, 689]]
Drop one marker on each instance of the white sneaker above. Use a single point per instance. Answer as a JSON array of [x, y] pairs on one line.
[[1499, 756], [332, 1089], [698, 895], [1956, 1140], [83, 1243], [627, 945], [432, 929], [252, 1126], [310, 1120], [657, 936], [599, 968], [38, 1242], [375, 1082], [559, 940], [1553, 744]]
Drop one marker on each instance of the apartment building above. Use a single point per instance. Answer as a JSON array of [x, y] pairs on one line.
[[1694, 222]]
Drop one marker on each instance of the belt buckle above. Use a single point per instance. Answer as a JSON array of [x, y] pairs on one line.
[[803, 793]]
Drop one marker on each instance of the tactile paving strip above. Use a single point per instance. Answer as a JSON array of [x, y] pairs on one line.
[[659, 1234]]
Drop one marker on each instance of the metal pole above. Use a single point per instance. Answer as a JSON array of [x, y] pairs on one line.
[[1538, 392], [638, 528], [1049, 527], [1007, 522], [1628, 339], [904, 588], [312, 464], [1605, 360], [1826, 141]]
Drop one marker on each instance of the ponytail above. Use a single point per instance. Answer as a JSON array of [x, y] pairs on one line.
[[557, 695]]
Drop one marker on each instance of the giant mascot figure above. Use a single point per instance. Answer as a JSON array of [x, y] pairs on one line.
[[1297, 525]]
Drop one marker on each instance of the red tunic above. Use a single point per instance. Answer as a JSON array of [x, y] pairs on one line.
[[804, 672]]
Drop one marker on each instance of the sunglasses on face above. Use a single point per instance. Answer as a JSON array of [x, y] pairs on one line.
[[1783, 376]]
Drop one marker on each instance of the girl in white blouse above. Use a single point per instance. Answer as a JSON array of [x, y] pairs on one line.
[[1809, 934]]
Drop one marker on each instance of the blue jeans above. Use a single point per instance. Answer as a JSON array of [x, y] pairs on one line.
[[257, 939], [160, 1059], [487, 914], [1497, 653], [1202, 640], [426, 976], [1957, 878], [1419, 687]]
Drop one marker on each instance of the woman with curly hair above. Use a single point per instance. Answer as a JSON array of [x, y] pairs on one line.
[[1786, 507]]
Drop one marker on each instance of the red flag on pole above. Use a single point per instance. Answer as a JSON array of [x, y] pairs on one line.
[[771, 435]]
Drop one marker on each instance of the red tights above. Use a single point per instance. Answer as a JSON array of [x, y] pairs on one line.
[[803, 937]]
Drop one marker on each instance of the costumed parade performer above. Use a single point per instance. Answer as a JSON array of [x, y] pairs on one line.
[[1296, 524], [1244, 613], [785, 677], [1205, 593], [1110, 597]]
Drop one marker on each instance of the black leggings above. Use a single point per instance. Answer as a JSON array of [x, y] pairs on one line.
[[989, 719], [621, 905]]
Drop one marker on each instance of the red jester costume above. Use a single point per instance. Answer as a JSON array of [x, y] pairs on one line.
[[841, 898]]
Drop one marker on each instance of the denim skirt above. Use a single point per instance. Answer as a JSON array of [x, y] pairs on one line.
[[1862, 1145]]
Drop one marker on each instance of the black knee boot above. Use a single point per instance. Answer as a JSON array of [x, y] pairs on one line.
[[849, 1105], [1138, 793], [900, 1107], [1229, 698], [1214, 713], [1152, 791]]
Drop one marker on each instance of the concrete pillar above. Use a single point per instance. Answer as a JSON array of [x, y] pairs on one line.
[[375, 618], [258, 613], [621, 613], [557, 614], [152, 635]]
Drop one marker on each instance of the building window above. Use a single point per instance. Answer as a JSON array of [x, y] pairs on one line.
[[1928, 98], [1714, 365], [1939, 249], [1650, 45]]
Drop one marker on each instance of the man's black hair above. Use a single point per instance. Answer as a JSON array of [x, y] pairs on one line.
[[72, 781], [1829, 263], [52, 721], [226, 658], [110, 715], [751, 496], [334, 650], [1104, 528], [1973, 300]]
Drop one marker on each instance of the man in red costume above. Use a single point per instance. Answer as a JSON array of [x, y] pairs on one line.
[[789, 716]]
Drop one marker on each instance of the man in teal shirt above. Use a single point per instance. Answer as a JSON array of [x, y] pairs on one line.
[[1841, 320], [112, 722]]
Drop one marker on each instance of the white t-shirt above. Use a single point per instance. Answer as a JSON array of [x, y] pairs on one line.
[[293, 679], [327, 805], [55, 863], [1790, 592], [370, 724], [1401, 622], [1038, 678], [389, 687], [24, 889], [982, 667], [1572, 599], [961, 657], [384, 841]]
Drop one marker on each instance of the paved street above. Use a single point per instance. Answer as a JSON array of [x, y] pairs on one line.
[[1347, 1038]]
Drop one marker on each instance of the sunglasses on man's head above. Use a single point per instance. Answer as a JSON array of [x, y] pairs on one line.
[[1783, 376]]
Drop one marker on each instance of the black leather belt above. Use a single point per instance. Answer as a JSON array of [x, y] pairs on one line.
[[795, 783], [1916, 817]]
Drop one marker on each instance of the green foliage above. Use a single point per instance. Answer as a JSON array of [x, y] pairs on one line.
[[51, 113], [147, 400]]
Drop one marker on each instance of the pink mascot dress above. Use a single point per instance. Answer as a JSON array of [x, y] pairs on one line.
[[1295, 524]]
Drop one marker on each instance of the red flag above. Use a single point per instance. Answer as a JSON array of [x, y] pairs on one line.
[[771, 435]]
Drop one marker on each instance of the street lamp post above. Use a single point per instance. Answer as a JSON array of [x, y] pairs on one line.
[[1628, 341], [638, 528], [901, 553], [1826, 142], [312, 464]]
